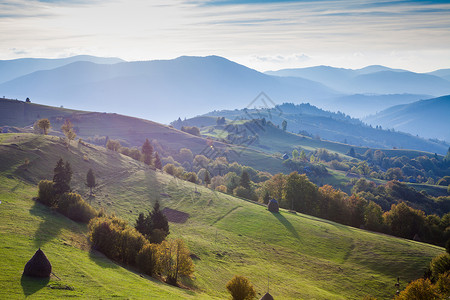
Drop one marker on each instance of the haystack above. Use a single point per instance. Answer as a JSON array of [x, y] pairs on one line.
[[38, 265], [266, 296], [273, 206]]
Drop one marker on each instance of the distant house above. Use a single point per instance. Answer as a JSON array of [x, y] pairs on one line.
[[285, 156]]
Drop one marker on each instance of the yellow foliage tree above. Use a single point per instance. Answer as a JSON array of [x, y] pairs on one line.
[[241, 288], [175, 260]]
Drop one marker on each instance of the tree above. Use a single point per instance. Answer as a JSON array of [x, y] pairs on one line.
[[207, 178], [245, 180], [62, 176], [157, 161], [241, 288], [44, 125], [284, 125], [158, 219], [67, 129], [90, 180], [351, 152], [186, 155], [295, 154], [147, 151], [220, 120], [419, 289], [28, 100], [175, 260], [373, 216], [299, 193]]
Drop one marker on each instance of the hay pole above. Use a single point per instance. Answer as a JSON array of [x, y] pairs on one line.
[[56, 276]]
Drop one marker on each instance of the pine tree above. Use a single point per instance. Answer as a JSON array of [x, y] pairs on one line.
[[157, 161], [352, 152], [62, 176], [159, 220], [90, 180], [284, 125], [147, 150], [245, 180]]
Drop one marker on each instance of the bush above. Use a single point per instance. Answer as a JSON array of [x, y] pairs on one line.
[[131, 242], [46, 193], [221, 188], [440, 265], [243, 192], [148, 259], [191, 177], [419, 289], [241, 288], [75, 208]]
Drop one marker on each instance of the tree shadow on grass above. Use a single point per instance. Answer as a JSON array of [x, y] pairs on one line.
[[31, 285], [101, 260], [287, 224], [50, 226]]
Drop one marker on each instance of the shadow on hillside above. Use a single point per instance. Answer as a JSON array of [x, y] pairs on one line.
[[31, 285], [50, 226], [101, 260], [287, 224]]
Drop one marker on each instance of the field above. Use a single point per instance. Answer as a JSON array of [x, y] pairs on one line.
[[302, 257]]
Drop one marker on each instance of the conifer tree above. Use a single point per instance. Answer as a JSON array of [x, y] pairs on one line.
[[157, 161], [245, 180], [62, 176], [90, 180], [147, 151], [207, 179]]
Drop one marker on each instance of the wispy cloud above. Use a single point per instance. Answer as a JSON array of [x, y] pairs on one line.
[[260, 33]]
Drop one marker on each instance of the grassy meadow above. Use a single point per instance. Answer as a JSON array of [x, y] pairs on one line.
[[301, 257]]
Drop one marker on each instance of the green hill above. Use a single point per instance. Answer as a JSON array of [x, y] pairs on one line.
[[304, 257]]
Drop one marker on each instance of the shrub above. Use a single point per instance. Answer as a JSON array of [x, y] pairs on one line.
[[170, 169], [221, 188], [46, 193], [191, 177], [243, 192], [419, 289], [241, 288], [131, 242], [104, 233], [148, 259], [75, 208], [440, 265]]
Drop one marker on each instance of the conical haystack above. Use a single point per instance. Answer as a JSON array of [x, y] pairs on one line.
[[38, 265], [273, 206], [267, 296]]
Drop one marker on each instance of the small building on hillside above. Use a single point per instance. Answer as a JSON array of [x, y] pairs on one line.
[[285, 156]]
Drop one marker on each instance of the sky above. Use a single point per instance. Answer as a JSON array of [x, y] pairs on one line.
[[261, 34]]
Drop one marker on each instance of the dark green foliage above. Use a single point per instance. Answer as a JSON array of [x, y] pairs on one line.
[[154, 226], [90, 179], [191, 177], [242, 192], [62, 176], [220, 121], [112, 237], [404, 221], [440, 265], [191, 130], [351, 152], [207, 178], [147, 151], [245, 180], [46, 193], [266, 197], [444, 181], [447, 246], [157, 161], [75, 208], [147, 259], [284, 125]]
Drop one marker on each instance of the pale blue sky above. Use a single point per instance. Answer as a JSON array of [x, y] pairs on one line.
[[261, 34]]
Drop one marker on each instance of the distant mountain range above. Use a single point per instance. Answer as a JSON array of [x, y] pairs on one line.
[[10, 69], [374, 80], [163, 90], [428, 118]]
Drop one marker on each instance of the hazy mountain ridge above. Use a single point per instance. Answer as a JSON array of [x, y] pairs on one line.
[[11, 69], [427, 118], [180, 87]]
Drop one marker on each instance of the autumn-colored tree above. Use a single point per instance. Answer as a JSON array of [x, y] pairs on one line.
[[67, 129], [241, 288], [419, 289], [175, 260], [44, 125]]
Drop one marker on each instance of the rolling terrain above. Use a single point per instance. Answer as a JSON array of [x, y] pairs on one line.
[[304, 257]]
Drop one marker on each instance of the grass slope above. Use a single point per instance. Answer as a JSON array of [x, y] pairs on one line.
[[304, 257]]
